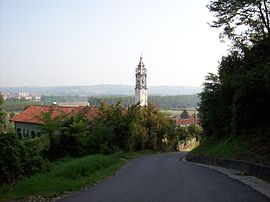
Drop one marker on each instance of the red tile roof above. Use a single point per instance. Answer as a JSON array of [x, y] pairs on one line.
[[186, 121], [32, 114]]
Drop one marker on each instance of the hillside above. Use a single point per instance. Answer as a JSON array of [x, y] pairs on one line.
[[102, 89]]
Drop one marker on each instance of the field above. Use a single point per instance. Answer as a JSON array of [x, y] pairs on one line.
[[176, 112]]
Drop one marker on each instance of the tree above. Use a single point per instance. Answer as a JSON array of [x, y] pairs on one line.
[[184, 114], [18, 160], [51, 125], [212, 107], [187, 133], [5, 125], [245, 22], [235, 101]]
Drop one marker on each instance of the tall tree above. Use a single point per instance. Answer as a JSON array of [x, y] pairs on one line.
[[243, 21], [4, 117]]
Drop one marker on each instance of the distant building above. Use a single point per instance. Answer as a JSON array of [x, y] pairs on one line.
[[28, 122], [36, 98], [73, 104], [141, 84], [193, 119], [21, 96]]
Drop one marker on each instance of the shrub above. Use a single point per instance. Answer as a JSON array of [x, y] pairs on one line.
[[66, 144], [18, 160], [41, 144]]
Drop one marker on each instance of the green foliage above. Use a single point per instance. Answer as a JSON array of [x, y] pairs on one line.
[[149, 129], [114, 129], [243, 22], [185, 134], [69, 175], [212, 108], [184, 114], [226, 147], [5, 125], [17, 160], [255, 149], [234, 104], [236, 101], [40, 145]]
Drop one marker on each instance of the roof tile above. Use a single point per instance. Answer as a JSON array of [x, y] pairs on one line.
[[32, 114]]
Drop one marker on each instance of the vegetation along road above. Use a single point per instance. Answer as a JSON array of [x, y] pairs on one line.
[[164, 177]]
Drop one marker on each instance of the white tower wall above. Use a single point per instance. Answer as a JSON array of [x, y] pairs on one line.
[[141, 95]]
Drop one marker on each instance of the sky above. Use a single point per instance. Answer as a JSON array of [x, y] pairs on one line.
[[90, 42]]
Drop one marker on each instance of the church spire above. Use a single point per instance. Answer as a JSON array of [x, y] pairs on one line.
[[141, 65], [141, 84]]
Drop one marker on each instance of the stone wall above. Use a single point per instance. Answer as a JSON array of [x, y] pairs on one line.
[[188, 145]]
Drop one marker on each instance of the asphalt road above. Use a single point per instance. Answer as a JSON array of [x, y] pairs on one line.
[[165, 178]]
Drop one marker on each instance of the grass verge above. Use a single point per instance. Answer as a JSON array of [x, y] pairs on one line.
[[240, 148], [69, 175]]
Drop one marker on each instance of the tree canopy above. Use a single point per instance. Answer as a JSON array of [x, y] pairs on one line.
[[5, 126], [236, 100], [245, 22]]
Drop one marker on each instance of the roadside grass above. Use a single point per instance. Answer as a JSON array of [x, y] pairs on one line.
[[227, 147], [69, 175], [240, 148]]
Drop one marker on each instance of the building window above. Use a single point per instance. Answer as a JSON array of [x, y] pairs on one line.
[[33, 134], [25, 133], [19, 133]]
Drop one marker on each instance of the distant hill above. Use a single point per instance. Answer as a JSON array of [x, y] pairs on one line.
[[102, 89]]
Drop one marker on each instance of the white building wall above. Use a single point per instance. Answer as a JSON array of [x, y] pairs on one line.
[[141, 96]]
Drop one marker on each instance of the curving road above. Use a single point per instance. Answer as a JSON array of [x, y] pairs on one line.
[[165, 178]]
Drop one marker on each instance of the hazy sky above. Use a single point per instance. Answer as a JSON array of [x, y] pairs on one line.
[[86, 42]]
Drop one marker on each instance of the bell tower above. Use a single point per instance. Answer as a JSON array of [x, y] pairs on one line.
[[141, 85]]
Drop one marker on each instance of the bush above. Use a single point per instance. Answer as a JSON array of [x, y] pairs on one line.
[[66, 144], [41, 144], [188, 133], [18, 160]]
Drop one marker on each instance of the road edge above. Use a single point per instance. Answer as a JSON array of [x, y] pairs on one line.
[[257, 184]]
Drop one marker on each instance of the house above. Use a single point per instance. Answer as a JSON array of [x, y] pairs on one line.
[[73, 104], [192, 119], [28, 122], [185, 122]]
